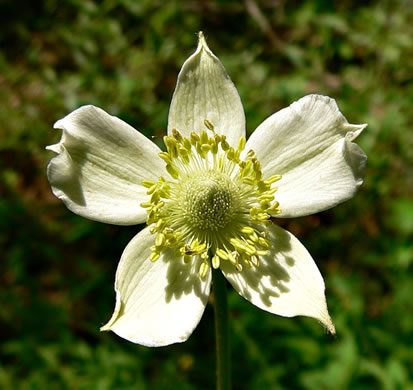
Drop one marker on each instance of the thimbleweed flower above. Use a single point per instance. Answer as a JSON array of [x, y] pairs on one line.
[[208, 200]]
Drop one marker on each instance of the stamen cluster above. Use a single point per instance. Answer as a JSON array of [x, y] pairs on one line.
[[215, 206]]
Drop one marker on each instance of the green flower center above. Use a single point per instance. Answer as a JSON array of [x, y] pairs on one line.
[[209, 201], [215, 207]]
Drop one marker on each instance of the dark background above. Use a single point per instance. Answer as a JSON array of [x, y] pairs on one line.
[[57, 269]]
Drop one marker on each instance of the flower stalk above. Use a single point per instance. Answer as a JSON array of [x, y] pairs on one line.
[[221, 331]]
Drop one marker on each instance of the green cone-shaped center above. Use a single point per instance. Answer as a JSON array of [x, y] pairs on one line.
[[209, 200]]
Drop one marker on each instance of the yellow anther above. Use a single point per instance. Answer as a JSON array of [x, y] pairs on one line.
[[247, 230], [152, 189], [255, 260], [237, 244], [148, 183], [216, 262], [172, 171], [169, 141], [241, 143], [263, 243], [222, 254], [203, 269], [274, 209], [194, 244], [177, 135], [248, 180], [236, 156], [154, 256], [160, 239], [171, 145], [272, 191], [164, 193], [262, 253], [187, 144], [201, 247], [248, 263], [155, 198], [256, 165], [232, 257], [253, 237], [248, 165], [165, 157], [254, 211], [209, 125], [206, 148], [273, 179], [146, 205], [224, 145], [262, 217], [265, 198], [160, 224], [171, 241], [194, 138], [250, 250], [258, 175], [204, 138], [182, 152]]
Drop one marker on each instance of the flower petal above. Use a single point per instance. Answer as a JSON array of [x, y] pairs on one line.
[[287, 282], [309, 144], [157, 303], [205, 91], [100, 166]]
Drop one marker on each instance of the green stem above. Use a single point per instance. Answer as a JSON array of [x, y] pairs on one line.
[[221, 330]]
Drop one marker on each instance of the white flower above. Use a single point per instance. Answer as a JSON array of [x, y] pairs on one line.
[[208, 200]]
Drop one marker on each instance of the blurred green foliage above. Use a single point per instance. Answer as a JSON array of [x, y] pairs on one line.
[[124, 56]]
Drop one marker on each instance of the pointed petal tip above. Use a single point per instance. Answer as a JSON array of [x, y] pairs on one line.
[[201, 37], [58, 124], [202, 42], [115, 315], [329, 326], [105, 328], [354, 130], [54, 148]]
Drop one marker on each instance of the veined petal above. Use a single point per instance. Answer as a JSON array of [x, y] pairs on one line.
[[309, 144], [157, 303], [205, 91], [100, 166], [287, 282]]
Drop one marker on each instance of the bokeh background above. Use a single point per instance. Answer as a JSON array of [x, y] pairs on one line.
[[57, 269]]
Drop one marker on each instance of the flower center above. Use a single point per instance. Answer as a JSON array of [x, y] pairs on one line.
[[209, 200], [215, 207]]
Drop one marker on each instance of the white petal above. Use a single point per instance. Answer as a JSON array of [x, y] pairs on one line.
[[157, 303], [287, 282], [309, 144], [100, 166], [205, 91]]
